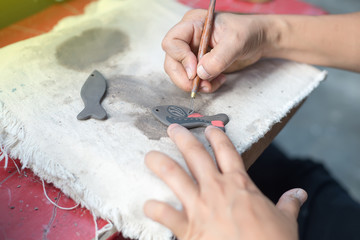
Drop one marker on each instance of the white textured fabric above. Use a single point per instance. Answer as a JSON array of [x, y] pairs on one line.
[[100, 163]]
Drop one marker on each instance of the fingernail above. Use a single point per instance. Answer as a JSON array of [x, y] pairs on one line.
[[172, 126], [301, 195], [205, 89], [189, 72], [208, 128], [202, 73]]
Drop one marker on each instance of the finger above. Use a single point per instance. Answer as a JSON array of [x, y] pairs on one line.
[[291, 201], [228, 159], [217, 60], [177, 73], [173, 175], [195, 20], [177, 45], [197, 158], [166, 215], [212, 86]]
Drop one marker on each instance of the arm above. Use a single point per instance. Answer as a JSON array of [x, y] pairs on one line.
[[331, 40]]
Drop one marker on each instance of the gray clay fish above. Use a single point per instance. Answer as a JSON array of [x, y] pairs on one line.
[[169, 114], [92, 93]]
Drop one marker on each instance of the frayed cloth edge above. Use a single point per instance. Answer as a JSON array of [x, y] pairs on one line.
[[285, 110], [15, 144]]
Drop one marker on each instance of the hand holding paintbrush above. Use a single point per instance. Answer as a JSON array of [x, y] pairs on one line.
[[236, 41]]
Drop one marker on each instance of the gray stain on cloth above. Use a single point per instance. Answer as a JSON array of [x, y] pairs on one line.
[[91, 46], [141, 93]]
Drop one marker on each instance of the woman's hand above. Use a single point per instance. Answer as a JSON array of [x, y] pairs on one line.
[[223, 203], [236, 42]]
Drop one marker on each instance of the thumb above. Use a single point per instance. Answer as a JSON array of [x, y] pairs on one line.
[[291, 201], [216, 61]]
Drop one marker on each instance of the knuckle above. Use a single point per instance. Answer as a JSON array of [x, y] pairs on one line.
[[193, 146], [172, 72], [247, 199], [170, 167], [218, 185], [224, 145], [166, 42], [238, 36], [241, 179]]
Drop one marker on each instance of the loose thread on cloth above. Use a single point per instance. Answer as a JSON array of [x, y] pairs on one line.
[[12, 138], [63, 208], [103, 230], [17, 168], [3, 155]]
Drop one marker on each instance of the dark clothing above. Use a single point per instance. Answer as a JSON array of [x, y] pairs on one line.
[[329, 213]]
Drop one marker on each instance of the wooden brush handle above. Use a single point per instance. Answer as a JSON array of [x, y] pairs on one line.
[[204, 41]]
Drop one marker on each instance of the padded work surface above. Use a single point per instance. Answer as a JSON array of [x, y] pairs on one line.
[[51, 207]]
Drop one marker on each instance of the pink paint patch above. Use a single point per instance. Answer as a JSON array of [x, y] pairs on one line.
[[217, 123], [272, 7], [195, 115]]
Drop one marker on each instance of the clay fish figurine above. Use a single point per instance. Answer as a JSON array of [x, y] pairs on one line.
[[92, 93], [169, 114]]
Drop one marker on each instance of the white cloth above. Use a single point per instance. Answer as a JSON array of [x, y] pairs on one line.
[[100, 163]]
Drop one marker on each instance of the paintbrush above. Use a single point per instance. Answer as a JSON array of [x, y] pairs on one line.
[[204, 43]]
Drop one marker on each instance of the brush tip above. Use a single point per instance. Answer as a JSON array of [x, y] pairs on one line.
[[193, 95]]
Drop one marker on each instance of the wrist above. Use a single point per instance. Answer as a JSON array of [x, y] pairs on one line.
[[275, 27]]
